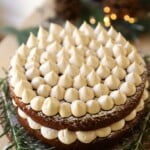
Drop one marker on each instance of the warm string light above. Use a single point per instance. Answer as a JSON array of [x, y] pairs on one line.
[[92, 20], [106, 9], [107, 21], [113, 16], [129, 19]]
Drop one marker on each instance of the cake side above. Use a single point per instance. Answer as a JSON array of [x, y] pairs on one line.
[[87, 122]]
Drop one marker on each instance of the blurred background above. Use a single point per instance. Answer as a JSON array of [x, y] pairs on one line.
[[20, 17]]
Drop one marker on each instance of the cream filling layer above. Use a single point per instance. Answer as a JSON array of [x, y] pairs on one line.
[[67, 137]]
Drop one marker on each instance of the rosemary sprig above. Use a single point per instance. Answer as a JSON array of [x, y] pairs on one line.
[[139, 141]]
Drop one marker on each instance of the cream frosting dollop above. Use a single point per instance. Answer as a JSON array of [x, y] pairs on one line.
[[65, 81], [131, 116], [36, 82], [53, 37], [76, 60], [108, 61], [32, 41], [18, 76], [147, 84], [100, 89], [34, 55], [22, 114], [79, 81], [82, 49], [112, 82], [17, 59], [37, 102], [85, 69], [65, 109], [27, 95], [112, 32], [42, 44], [76, 51], [16, 68], [128, 88], [128, 47], [53, 48], [98, 29], [44, 90], [23, 50], [50, 106], [103, 132], [21, 86], [109, 43], [71, 94], [90, 53], [71, 70], [106, 102], [33, 125], [69, 27], [55, 28], [94, 45], [92, 61], [62, 54], [58, 92], [49, 133], [36, 51], [145, 94], [103, 71], [51, 78], [85, 136], [120, 39], [135, 57], [122, 61], [45, 56], [31, 64], [118, 50], [140, 106], [134, 67], [134, 78], [93, 78], [119, 72], [66, 136], [80, 38], [104, 51], [32, 73], [118, 125], [68, 42], [93, 107], [42, 33], [47, 67], [78, 108], [118, 97], [87, 29], [62, 64], [102, 36], [86, 93]]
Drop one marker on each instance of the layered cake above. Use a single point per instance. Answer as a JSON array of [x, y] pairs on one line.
[[78, 88]]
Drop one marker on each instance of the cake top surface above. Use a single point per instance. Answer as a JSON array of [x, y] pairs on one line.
[[73, 71]]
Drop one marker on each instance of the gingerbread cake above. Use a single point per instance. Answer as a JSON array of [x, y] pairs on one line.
[[77, 88]]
